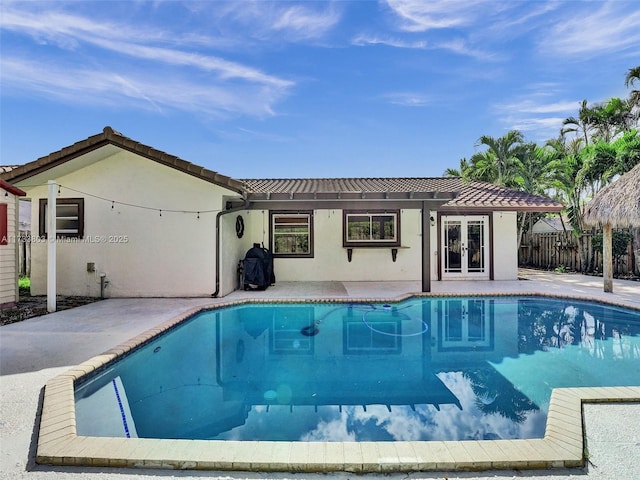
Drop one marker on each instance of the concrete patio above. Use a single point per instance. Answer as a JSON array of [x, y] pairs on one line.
[[34, 351]]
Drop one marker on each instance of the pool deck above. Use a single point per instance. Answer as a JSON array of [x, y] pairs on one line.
[[42, 351]]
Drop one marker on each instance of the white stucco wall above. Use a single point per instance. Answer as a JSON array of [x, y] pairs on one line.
[[505, 245], [142, 252], [233, 250], [9, 252], [330, 258]]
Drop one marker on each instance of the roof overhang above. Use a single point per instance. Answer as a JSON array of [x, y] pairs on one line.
[[7, 187], [348, 196], [103, 145]]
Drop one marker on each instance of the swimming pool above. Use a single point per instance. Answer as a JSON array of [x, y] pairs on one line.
[[440, 369]]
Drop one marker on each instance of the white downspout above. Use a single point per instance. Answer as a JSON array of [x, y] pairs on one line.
[[51, 247]]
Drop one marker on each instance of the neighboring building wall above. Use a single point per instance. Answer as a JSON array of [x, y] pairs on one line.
[[9, 252], [505, 245], [330, 257], [142, 252]]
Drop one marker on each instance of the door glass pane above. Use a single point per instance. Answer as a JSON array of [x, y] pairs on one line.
[[475, 244], [453, 246]]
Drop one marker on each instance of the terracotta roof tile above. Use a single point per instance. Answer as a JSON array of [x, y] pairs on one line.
[[7, 168], [476, 195], [461, 195]]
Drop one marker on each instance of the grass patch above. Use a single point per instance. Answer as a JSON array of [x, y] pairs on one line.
[[24, 284]]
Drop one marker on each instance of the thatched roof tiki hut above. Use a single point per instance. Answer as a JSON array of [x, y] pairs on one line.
[[616, 205]]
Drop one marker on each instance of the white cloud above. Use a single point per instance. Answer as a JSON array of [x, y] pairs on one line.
[[365, 40], [420, 15], [93, 62], [458, 46], [612, 28], [409, 99], [302, 22], [539, 119], [135, 89], [281, 21]]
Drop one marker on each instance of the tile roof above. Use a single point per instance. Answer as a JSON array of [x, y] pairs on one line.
[[456, 194], [351, 188], [110, 136], [7, 168], [461, 195], [479, 195]]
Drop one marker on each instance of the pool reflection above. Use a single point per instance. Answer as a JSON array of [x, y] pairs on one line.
[[423, 369]]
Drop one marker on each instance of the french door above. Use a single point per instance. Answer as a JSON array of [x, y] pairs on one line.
[[465, 247]]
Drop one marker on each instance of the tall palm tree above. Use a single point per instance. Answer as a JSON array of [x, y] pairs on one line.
[[611, 118], [632, 76], [581, 125], [497, 163], [533, 174]]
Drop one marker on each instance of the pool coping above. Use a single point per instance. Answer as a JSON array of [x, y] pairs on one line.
[[562, 445]]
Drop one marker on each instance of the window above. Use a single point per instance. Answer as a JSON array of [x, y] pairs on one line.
[[292, 234], [69, 217], [371, 229]]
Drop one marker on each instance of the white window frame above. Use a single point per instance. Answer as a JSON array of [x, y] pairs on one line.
[[275, 234]]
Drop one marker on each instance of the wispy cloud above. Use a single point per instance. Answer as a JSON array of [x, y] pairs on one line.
[[303, 22], [458, 46], [611, 28], [136, 89], [407, 99], [536, 116], [420, 16], [363, 40], [138, 63], [282, 22]]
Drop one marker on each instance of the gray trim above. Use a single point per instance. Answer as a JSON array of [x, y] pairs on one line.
[[345, 205], [327, 196]]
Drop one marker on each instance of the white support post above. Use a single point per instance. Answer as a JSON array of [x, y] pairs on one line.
[[51, 247]]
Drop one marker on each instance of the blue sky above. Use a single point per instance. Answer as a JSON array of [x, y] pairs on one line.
[[306, 89]]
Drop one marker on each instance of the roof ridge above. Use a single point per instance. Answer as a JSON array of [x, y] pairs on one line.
[[112, 136]]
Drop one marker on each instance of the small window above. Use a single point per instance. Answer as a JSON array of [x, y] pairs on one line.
[[371, 229], [292, 234], [69, 217]]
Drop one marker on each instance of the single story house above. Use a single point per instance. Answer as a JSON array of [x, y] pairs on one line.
[[552, 225], [9, 242], [151, 224]]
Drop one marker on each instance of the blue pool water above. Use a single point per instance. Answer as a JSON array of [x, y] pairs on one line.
[[421, 369]]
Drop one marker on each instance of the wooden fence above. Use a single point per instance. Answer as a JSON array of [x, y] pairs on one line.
[[552, 250], [24, 254]]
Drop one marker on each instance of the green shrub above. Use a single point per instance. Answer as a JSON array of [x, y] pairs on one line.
[[24, 283]]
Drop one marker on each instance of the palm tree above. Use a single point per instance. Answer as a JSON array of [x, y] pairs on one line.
[[497, 163], [632, 76], [533, 174], [569, 183], [457, 172], [582, 125], [611, 118]]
